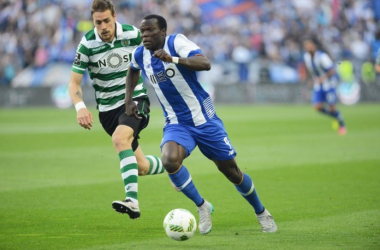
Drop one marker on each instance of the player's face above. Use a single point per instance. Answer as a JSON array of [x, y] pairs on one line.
[[309, 46], [105, 25], [152, 35]]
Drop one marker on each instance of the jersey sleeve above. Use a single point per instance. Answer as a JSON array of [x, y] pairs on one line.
[[138, 39], [306, 60], [135, 35], [134, 64], [305, 57], [378, 57], [186, 48], [81, 60], [326, 62]]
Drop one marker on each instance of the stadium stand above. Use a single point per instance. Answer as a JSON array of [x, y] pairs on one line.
[[38, 33]]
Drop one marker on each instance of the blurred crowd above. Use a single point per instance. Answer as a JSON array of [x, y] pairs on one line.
[[38, 32]]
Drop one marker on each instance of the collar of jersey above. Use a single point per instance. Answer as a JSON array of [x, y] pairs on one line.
[[119, 31]]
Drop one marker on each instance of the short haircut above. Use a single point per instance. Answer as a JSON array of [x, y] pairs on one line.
[[312, 39], [101, 6], [161, 21], [318, 44]]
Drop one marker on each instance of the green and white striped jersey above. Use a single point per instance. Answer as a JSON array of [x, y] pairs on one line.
[[108, 63]]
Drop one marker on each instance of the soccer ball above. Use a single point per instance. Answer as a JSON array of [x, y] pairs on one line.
[[180, 224]]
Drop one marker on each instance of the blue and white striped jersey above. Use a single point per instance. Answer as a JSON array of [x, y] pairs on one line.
[[182, 97], [318, 65]]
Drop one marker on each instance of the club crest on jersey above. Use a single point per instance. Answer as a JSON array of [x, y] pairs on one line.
[[125, 42]]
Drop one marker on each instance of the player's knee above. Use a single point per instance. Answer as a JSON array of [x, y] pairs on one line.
[[231, 171], [232, 175], [121, 140], [171, 162], [318, 107]]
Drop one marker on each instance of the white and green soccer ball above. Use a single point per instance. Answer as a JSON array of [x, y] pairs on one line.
[[180, 224]]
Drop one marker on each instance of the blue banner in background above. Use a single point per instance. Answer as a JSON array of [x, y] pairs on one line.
[[214, 10]]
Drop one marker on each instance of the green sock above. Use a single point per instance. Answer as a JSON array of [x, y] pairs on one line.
[[129, 173], [156, 166]]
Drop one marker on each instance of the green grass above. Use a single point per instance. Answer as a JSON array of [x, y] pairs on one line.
[[57, 182]]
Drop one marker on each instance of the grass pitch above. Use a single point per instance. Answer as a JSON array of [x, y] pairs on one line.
[[57, 182]]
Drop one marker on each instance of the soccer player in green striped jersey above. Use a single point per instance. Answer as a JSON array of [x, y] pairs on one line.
[[105, 52]]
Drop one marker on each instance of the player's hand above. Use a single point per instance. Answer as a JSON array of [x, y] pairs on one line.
[[310, 83], [131, 109], [321, 79], [163, 55], [84, 118]]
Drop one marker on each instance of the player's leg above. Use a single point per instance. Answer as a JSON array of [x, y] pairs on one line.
[[172, 156], [122, 136], [331, 100], [246, 188], [148, 164], [132, 159], [318, 100], [334, 112], [122, 140], [214, 143], [242, 182], [177, 144]]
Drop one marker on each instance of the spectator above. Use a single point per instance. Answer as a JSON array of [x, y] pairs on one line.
[[242, 56]]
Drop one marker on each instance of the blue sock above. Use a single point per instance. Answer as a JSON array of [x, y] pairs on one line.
[[324, 111], [248, 191], [182, 180], [336, 114]]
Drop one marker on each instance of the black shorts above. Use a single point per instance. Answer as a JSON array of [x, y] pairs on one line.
[[113, 118]]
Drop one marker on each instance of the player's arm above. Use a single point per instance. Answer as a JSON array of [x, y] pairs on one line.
[[326, 76], [309, 79], [189, 55], [84, 116], [198, 62], [328, 66], [377, 68], [132, 78]]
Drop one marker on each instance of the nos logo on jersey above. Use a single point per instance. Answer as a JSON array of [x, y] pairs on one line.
[[114, 61]]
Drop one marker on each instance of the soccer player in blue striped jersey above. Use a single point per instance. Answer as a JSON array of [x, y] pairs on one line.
[[170, 63], [105, 51], [322, 70]]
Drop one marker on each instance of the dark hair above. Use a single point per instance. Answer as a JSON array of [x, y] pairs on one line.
[[320, 46], [314, 40], [101, 6], [161, 21]]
